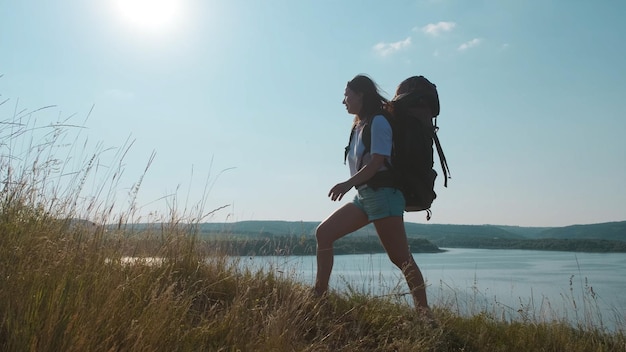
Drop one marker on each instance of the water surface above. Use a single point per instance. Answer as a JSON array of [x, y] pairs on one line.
[[583, 288]]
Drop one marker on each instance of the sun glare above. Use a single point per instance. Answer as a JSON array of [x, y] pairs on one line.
[[150, 15]]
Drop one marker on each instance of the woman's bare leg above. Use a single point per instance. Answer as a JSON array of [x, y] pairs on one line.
[[343, 221], [393, 237]]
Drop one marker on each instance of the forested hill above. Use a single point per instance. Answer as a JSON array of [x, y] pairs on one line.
[[604, 237], [605, 231], [615, 231]]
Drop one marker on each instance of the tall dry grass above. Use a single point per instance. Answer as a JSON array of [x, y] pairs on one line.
[[65, 286]]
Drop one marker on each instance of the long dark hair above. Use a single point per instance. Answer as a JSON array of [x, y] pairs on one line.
[[373, 102]]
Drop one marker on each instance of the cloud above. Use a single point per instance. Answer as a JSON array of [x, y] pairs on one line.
[[435, 29], [386, 49], [471, 44]]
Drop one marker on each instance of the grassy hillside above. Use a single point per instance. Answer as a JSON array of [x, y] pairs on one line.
[[70, 290], [68, 285]]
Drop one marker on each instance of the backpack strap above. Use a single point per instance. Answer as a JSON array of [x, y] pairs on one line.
[[384, 178], [347, 150], [442, 157], [366, 137]]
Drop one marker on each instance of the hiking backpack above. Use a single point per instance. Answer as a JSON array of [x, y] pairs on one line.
[[412, 162]]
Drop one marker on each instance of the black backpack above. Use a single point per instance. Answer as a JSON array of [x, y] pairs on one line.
[[412, 162]]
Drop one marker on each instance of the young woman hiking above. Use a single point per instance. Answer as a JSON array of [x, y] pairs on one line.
[[384, 206]]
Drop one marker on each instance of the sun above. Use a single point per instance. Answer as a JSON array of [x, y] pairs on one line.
[[150, 15]]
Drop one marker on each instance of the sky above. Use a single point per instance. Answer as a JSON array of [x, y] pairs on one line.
[[235, 106]]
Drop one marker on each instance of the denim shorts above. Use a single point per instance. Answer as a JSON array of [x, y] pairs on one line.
[[380, 203]]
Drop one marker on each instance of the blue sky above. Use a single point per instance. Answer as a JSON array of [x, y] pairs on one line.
[[245, 97]]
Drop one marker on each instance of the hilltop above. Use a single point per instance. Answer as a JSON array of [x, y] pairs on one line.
[[602, 237], [297, 237], [602, 231]]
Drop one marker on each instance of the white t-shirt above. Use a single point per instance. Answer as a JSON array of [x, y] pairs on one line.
[[381, 144]]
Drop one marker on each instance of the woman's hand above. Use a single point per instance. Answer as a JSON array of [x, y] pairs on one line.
[[361, 177], [339, 190]]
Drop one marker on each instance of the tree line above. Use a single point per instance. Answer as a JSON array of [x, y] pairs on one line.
[[269, 244], [548, 244], [306, 245]]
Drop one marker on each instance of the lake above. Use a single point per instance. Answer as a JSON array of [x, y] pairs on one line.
[[582, 288]]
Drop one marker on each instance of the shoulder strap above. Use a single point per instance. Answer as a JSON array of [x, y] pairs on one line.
[[442, 157], [345, 153], [366, 137]]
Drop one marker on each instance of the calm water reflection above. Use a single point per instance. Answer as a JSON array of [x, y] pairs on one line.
[[584, 288]]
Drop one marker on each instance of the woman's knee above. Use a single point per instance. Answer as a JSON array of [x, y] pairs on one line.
[[403, 262], [323, 236], [343, 221]]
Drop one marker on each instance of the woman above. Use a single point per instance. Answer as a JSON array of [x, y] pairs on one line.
[[384, 206]]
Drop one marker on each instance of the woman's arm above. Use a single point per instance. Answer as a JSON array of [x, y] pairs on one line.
[[361, 177]]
